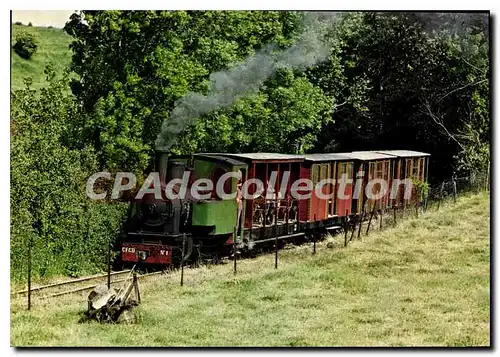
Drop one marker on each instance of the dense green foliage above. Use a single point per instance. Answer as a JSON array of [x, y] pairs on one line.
[[391, 81], [69, 234], [25, 45]]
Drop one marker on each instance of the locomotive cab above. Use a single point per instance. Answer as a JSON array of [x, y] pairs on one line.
[[156, 228]]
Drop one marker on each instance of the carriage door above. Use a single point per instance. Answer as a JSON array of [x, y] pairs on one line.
[[371, 176], [344, 204], [319, 206]]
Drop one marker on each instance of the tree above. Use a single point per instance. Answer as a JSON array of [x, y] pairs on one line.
[[392, 65], [26, 45], [49, 209], [134, 65]]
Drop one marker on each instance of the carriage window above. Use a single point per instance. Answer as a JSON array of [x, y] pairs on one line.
[[371, 169], [349, 170], [387, 171], [323, 172], [315, 177], [341, 170], [416, 169], [379, 171], [408, 168]]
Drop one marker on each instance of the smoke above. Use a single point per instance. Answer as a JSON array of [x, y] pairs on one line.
[[229, 85], [452, 23]]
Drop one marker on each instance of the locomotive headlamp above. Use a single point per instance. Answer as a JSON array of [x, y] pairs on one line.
[[142, 255]]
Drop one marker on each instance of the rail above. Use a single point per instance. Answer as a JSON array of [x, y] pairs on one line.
[[71, 283]]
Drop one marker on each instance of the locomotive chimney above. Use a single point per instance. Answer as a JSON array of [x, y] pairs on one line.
[[161, 164]]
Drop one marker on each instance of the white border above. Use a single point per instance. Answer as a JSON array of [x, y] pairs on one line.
[[186, 4]]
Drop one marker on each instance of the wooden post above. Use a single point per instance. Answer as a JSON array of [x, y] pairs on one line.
[[394, 212], [136, 286], [250, 241], [361, 222], [440, 195], [345, 229], [182, 259], [109, 263], [381, 215], [276, 250], [370, 221], [314, 235], [454, 189], [426, 202], [235, 232], [417, 200], [29, 272], [352, 232]]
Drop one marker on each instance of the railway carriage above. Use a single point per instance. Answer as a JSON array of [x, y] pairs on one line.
[[274, 211], [319, 167], [407, 164], [370, 166]]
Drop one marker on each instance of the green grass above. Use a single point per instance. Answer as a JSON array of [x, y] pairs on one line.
[[422, 283], [53, 46]]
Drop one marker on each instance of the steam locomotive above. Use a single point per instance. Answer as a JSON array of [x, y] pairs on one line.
[[163, 232]]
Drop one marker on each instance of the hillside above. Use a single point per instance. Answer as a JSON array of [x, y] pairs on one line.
[[424, 282], [53, 46]]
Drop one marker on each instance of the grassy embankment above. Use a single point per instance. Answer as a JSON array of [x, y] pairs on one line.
[[53, 46], [424, 282]]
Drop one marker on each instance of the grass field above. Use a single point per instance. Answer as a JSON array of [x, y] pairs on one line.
[[422, 283], [53, 46]]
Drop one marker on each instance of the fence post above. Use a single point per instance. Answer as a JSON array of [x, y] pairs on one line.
[[361, 222], [235, 233], [381, 215], [136, 285], [276, 252], [345, 229], [182, 258], [29, 272], [353, 230], [426, 199], [417, 201], [109, 263], [370, 221], [454, 189], [314, 235], [440, 195], [394, 212]]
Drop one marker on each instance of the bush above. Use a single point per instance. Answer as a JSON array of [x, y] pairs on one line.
[[68, 232], [30, 24], [26, 45], [18, 23]]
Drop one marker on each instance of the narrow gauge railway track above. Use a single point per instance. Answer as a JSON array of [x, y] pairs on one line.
[[88, 283], [80, 284]]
